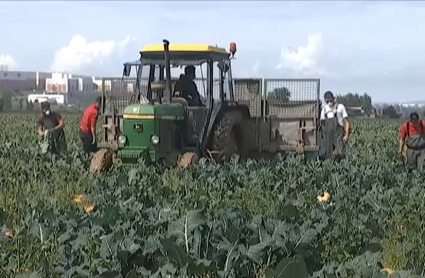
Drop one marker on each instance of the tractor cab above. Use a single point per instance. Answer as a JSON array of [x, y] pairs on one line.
[[172, 113]]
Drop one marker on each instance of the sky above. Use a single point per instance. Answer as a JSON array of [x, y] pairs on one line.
[[360, 47]]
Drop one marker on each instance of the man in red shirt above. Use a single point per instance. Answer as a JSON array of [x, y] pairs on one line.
[[88, 126], [412, 134]]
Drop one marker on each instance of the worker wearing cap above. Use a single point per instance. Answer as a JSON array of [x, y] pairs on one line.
[[88, 126], [336, 127], [412, 135], [52, 122]]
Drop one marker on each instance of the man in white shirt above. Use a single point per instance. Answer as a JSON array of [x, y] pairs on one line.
[[336, 131]]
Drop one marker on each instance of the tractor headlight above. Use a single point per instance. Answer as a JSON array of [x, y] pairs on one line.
[[122, 139], [155, 139]]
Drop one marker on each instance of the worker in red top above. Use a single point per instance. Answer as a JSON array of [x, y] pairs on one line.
[[88, 126], [412, 135]]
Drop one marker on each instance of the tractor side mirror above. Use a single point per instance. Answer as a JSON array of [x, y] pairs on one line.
[[126, 71], [223, 66]]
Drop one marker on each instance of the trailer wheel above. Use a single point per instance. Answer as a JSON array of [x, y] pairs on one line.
[[228, 137], [102, 161]]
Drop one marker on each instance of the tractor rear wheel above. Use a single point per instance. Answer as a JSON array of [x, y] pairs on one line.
[[228, 137], [102, 161]]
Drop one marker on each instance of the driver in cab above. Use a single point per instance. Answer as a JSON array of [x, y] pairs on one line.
[[186, 87]]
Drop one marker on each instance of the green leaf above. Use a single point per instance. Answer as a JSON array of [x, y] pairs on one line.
[[403, 274], [132, 274], [84, 272], [256, 252], [201, 267], [232, 254], [3, 217], [65, 236], [174, 252], [290, 268], [110, 274], [29, 275], [132, 175], [40, 231], [167, 270], [184, 227]]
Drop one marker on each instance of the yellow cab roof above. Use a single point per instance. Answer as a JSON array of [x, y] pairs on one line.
[[184, 48]]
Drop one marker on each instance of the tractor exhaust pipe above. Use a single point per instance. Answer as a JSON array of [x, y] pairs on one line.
[[167, 69]]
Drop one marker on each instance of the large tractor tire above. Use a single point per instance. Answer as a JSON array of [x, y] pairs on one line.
[[228, 137], [102, 161]]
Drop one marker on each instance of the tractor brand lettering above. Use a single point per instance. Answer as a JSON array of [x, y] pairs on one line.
[[140, 117], [152, 117]]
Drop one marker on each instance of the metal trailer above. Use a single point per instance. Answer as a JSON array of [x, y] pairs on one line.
[[284, 113]]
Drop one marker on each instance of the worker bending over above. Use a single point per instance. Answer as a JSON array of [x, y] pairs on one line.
[[51, 124], [412, 135], [335, 127], [88, 126]]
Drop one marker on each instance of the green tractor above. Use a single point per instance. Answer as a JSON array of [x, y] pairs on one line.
[[154, 125], [144, 117]]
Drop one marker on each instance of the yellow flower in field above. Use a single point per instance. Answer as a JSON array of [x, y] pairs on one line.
[[21, 270], [388, 271], [90, 208], [78, 199], [8, 235], [325, 198], [85, 201]]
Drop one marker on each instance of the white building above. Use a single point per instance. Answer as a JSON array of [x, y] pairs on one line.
[[412, 105], [59, 99], [68, 83], [57, 84], [98, 82]]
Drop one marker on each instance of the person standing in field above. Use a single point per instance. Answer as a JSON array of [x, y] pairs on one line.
[[88, 126], [335, 128], [412, 135], [51, 124]]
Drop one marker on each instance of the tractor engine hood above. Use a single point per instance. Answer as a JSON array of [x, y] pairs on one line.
[[168, 111], [143, 126]]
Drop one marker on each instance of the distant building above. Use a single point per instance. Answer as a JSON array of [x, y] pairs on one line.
[[69, 83], [44, 81], [58, 83], [22, 80], [97, 84], [412, 104], [58, 99]]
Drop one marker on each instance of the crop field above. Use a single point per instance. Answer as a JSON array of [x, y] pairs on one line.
[[250, 219]]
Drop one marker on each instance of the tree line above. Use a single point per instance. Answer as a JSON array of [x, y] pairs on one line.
[[363, 101]]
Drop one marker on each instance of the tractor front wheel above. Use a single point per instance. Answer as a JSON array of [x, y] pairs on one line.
[[228, 137]]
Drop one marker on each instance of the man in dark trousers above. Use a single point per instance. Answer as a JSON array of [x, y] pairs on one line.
[[51, 124], [335, 128], [88, 126], [412, 135]]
